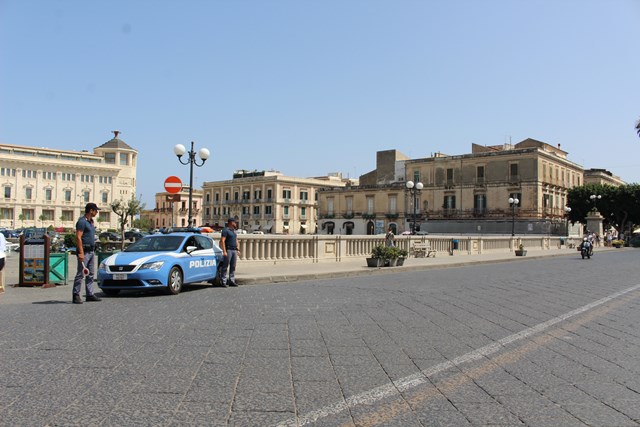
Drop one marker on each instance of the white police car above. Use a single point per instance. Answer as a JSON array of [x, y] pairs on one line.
[[161, 261]]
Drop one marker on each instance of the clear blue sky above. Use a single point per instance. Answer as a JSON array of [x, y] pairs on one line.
[[311, 87]]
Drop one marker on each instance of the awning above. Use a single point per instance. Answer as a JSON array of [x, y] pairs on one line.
[[268, 227], [255, 227], [637, 230], [286, 227], [303, 225], [348, 224]]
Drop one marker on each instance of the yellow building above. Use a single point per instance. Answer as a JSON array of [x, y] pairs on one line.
[[467, 190], [266, 201], [172, 210], [602, 177], [43, 187]]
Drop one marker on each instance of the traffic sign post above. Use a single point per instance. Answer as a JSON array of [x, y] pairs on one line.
[[173, 185]]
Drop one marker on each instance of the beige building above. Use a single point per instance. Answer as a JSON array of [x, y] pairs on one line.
[[172, 210], [602, 177], [266, 201], [43, 187], [472, 187]]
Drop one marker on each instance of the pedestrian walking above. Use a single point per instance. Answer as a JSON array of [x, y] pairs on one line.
[[229, 245], [389, 238], [85, 251]]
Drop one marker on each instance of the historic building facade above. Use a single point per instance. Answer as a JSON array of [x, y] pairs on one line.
[[266, 201], [43, 187], [172, 210], [473, 187]]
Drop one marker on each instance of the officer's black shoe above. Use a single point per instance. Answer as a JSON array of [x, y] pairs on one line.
[[233, 284], [93, 298], [77, 299], [224, 285]]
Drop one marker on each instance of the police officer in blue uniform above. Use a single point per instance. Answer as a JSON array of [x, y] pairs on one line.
[[229, 245], [85, 250]]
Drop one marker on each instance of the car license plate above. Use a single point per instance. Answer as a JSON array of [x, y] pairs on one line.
[[119, 276]]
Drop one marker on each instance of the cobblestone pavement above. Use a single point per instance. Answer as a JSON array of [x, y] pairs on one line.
[[538, 342]]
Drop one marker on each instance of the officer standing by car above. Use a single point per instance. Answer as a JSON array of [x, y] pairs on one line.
[[85, 250], [229, 244]]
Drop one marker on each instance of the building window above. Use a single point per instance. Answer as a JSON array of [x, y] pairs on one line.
[[393, 204], [480, 173], [236, 195], [285, 211], [104, 216], [303, 212], [47, 194], [28, 192], [416, 176], [85, 196], [48, 215], [304, 196], [67, 195], [257, 194], [207, 197], [330, 206], [67, 215], [286, 194], [124, 159], [268, 210], [513, 169], [256, 210], [7, 192], [449, 202], [110, 158], [349, 201], [28, 214], [370, 205], [105, 197], [480, 203], [6, 213], [269, 194]]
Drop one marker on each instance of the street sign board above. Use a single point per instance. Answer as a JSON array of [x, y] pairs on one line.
[[173, 197], [173, 185]]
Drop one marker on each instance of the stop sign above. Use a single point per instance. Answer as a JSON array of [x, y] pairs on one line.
[[173, 185]]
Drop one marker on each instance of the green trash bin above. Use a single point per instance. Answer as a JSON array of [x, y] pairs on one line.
[[454, 245]]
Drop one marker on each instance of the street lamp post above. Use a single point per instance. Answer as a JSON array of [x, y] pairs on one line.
[[567, 211], [414, 190], [594, 198], [179, 151], [513, 202]]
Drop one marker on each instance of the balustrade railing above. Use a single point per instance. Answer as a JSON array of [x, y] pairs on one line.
[[326, 248]]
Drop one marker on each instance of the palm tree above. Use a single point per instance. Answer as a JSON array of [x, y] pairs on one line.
[[638, 127]]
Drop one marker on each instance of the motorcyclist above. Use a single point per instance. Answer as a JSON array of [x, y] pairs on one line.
[[586, 248]]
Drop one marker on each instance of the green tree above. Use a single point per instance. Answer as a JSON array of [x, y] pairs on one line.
[[638, 127], [22, 217], [143, 223], [619, 205], [126, 211], [42, 218]]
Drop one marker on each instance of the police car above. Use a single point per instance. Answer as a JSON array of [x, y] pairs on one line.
[[161, 261]]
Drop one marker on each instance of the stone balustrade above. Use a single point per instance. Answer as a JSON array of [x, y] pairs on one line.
[[323, 248]]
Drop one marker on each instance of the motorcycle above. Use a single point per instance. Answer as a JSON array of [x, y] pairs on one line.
[[586, 249]]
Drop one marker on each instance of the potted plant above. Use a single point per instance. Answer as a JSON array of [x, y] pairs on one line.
[[391, 256], [617, 243], [521, 251], [377, 258], [402, 255]]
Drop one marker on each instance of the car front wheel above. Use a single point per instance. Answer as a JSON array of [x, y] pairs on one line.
[[175, 281]]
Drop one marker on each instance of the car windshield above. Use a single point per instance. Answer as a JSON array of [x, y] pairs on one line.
[[156, 244]]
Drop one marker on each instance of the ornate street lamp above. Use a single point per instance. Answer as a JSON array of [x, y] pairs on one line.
[[414, 190], [567, 211], [179, 151], [594, 198], [513, 202]]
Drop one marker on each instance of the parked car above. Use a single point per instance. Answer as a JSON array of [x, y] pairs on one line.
[[134, 235], [161, 261], [109, 235], [10, 233]]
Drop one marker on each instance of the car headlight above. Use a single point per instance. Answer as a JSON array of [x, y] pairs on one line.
[[102, 266], [156, 265]]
